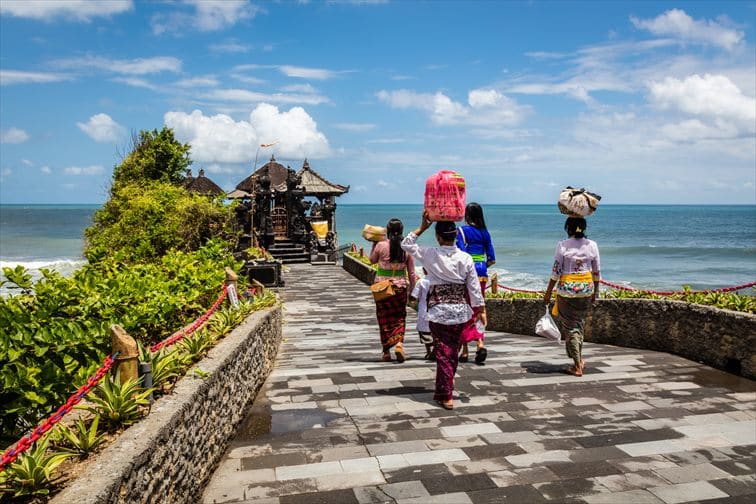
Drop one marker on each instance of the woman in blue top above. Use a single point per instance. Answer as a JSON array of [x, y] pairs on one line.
[[474, 239]]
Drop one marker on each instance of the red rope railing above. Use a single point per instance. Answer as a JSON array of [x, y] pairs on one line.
[[186, 331], [631, 289], [683, 292], [10, 455]]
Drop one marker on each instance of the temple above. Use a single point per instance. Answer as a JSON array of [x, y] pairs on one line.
[[291, 214]]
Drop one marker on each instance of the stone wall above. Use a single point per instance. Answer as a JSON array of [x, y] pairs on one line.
[[722, 339], [170, 455], [359, 270]]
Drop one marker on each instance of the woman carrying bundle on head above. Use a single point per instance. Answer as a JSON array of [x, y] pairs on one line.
[[576, 274], [474, 239], [398, 268], [454, 286]]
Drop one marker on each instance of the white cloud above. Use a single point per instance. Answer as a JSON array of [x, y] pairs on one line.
[[76, 10], [712, 97], [27, 162], [230, 47], [354, 126], [484, 107], [102, 128], [207, 15], [307, 73], [85, 170], [46, 170], [245, 96], [299, 88], [135, 82], [5, 172], [13, 136], [9, 77], [137, 66], [676, 23], [199, 81], [220, 139]]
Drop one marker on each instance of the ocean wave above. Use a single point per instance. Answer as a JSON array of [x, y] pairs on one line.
[[52, 264]]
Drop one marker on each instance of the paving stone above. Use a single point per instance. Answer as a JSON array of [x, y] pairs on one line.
[[631, 481], [685, 492], [739, 485], [525, 476], [461, 483], [630, 496], [512, 494], [690, 473], [332, 497], [582, 469], [569, 489], [404, 490]]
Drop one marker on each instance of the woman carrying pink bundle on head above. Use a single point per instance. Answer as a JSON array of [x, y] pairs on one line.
[[453, 288]]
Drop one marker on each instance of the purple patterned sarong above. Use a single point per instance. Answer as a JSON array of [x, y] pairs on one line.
[[447, 338]]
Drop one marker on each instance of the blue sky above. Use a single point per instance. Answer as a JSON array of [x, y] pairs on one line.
[[642, 102]]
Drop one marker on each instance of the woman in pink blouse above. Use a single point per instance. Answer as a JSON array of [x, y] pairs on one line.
[[576, 274], [396, 265]]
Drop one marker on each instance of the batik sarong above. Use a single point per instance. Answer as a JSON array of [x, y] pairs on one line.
[[392, 313], [447, 339], [571, 319]]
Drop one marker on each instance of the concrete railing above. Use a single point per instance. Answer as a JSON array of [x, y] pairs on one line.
[[722, 339], [359, 270], [171, 453]]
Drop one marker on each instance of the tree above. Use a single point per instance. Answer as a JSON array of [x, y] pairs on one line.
[[156, 156]]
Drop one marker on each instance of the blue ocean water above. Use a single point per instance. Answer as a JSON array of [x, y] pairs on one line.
[[647, 246]]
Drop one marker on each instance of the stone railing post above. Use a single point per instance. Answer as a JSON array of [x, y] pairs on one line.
[[232, 287], [494, 283], [128, 353]]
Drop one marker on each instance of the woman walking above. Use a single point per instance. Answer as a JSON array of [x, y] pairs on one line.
[[474, 239], [453, 280], [576, 274], [395, 265]]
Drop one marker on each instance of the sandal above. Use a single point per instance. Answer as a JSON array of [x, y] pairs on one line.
[[399, 351], [463, 358], [447, 405], [480, 355], [575, 371], [386, 357]]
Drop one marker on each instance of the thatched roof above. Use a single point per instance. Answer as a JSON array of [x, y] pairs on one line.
[[237, 194], [274, 170], [202, 184], [314, 184]]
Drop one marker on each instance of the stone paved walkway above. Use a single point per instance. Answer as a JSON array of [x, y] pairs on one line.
[[335, 425]]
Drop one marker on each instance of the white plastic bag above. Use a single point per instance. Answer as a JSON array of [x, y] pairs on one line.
[[547, 328]]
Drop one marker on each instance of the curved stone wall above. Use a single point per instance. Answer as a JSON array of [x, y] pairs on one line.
[[719, 338], [170, 455]]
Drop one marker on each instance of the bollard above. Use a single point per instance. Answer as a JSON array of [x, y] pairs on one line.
[[495, 283], [145, 372], [362, 252], [259, 288], [231, 283], [128, 353]]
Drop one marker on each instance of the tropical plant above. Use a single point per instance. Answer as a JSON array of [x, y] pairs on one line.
[[33, 472], [195, 345], [167, 364], [80, 439], [118, 404]]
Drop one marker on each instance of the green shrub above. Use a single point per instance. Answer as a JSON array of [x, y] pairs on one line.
[[32, 474]]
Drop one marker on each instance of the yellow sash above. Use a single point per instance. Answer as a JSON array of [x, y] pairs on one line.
[[572, 278]]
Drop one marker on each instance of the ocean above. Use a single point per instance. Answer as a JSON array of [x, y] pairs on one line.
[[642, 246]]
